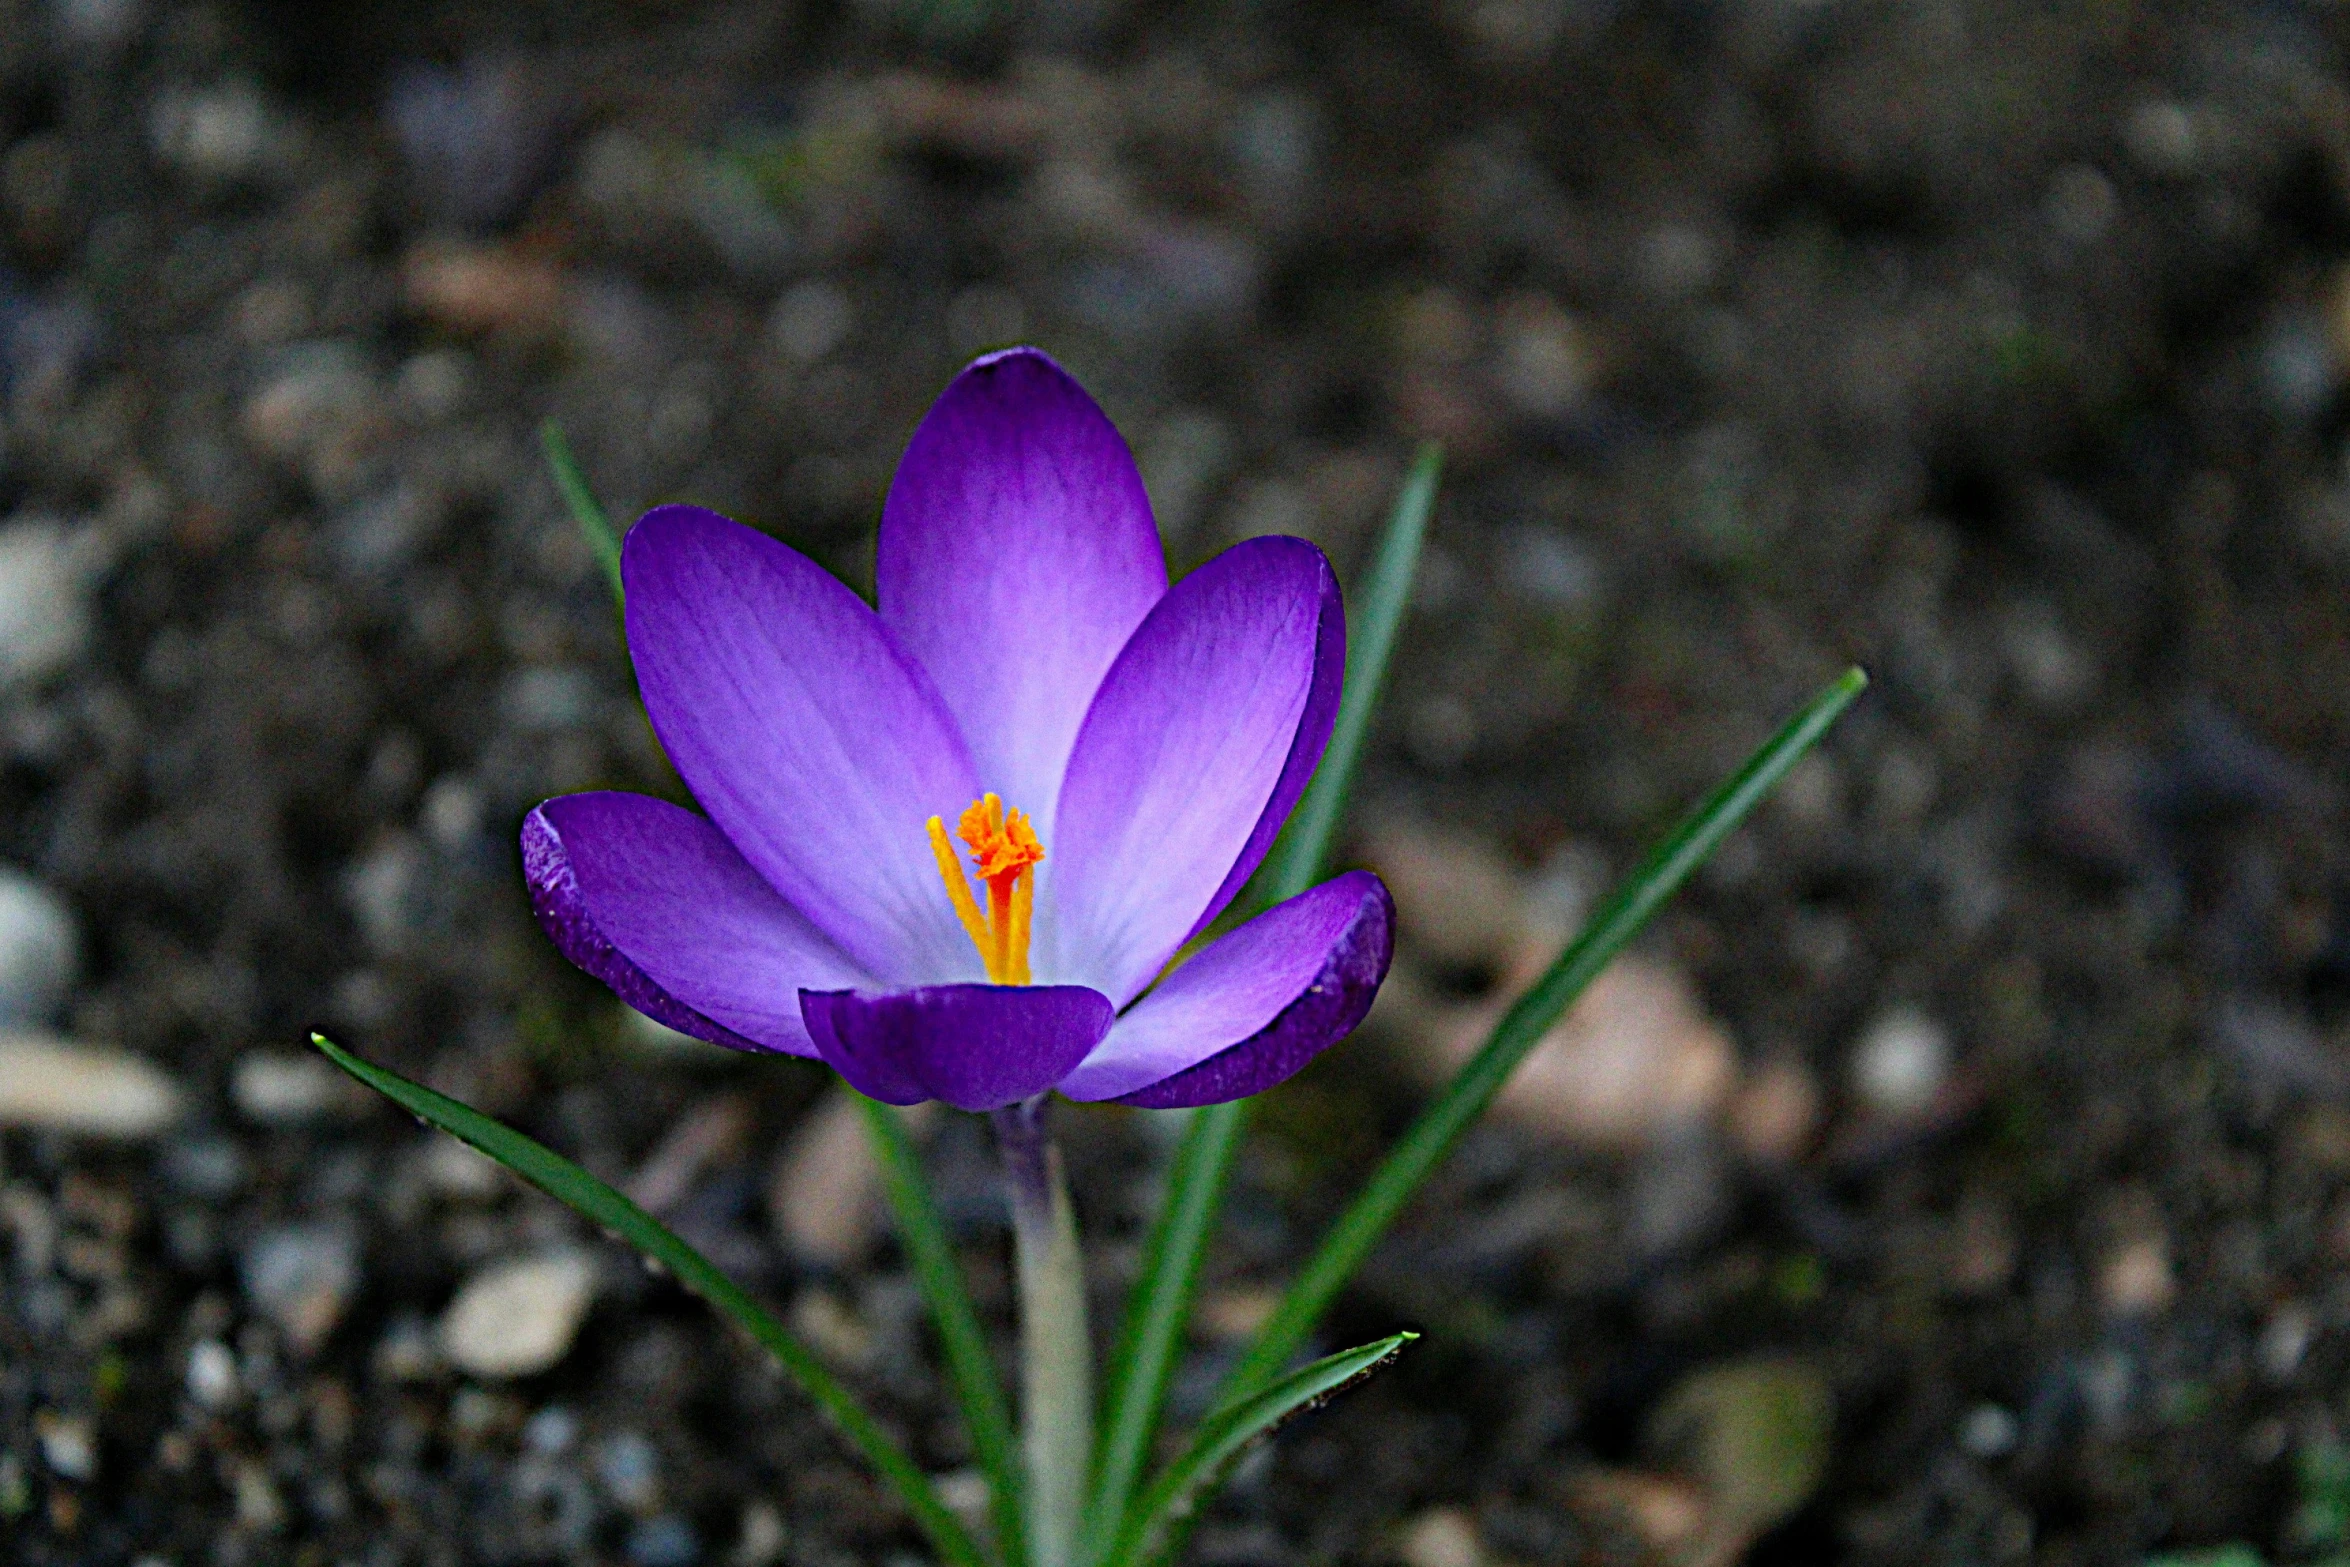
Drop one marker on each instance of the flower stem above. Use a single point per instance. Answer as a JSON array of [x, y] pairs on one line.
[[1056, 1351]]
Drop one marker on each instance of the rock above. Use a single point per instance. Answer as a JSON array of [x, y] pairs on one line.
[[1457, 902], [1441, 1537], [1900, 1063], [666, 1541], [54, 1085], [630, 1468], [2135, 1279], [2285, 1338], [1755, 1434], [40, 951], [486, 289], [809, 320], [1988, 1431], [1544, 364], [212, 1374], [300, 1276], [516, 1319], [277, 1088], [475, 138], [321, 413], [69, 1444], [824, 1197], [1634, 1059], [218, 135], [47, 573], [706, 1133], [1776, 1115], [763, 1537], [1665, 1513]]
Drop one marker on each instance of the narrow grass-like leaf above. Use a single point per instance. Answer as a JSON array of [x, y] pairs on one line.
[[559, 1178], [1151, 1336], [1223, 1437], [1440, 1126], [1304, 845], [594, 523], [986, 1412]]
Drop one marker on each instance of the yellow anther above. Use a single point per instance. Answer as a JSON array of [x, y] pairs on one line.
[[1004, 851]]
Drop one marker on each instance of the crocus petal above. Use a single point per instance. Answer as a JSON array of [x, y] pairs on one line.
[[1211, 713], [653, 901], [1017, 555], [818, 747], [1252, 1007], [978, 1047]]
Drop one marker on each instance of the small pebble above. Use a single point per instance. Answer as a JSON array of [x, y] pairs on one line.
[[301, 1277], [1441, 1537], [763, 1537], [2285, 1339], [276, 1088], [1776, 1115], [516, 1319], [212, 1374], [2136, 1278], [1457, 901], [1988, 1432], [46, 578], [49, 1083], [630, 1468], [825, 1195], [666, 1541], [1636, 1058], [1900, 1063], [69, 1444], [40, 951]]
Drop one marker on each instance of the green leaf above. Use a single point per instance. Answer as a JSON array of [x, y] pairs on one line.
[[1225, 1436], [558, 1177], [1440, 1126], [1151, 1336], [594, 524], [986, 1412]]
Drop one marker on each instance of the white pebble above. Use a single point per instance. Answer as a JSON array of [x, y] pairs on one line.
[[518, 1318], [45, 580], [49, 1083], [273, 1088], [1901, 1061], [301, 1276], [68, 1443], [1988, 1432], [212, 1374], [40, 949]]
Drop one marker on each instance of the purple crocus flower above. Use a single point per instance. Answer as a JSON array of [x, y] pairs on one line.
[[1115, 754]]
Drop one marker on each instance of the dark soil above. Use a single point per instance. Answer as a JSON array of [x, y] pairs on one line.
[[2000, 348]]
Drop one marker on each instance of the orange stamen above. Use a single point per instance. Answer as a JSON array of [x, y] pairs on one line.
[[1004, 852]]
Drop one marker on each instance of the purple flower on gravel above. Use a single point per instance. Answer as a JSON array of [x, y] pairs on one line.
[[1115, 756]]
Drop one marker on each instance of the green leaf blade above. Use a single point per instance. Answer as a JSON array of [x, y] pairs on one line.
[[595, 525], [979, 1390], [565, 1181], [1222, 1438], [1433, 1135], [1151, 1336]]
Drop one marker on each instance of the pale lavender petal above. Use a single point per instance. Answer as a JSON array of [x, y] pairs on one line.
[[1253, 1006], [1196, 729], [1017, 555], [818, 747], [978, 1047], [653, 901]]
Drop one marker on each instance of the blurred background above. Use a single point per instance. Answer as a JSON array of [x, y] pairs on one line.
[[1959, 1172]]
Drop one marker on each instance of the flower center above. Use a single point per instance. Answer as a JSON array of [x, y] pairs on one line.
[[1004, 851]]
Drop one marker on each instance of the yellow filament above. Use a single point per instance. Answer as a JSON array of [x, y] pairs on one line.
[[1005, 852]]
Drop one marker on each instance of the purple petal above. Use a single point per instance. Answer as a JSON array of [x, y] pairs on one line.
[[1253, 1006], [978, 1047], [653, 901], [816, 745], [1017, 555], [1208, 723]]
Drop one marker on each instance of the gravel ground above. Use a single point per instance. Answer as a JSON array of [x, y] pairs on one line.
[[1992, 1091]]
